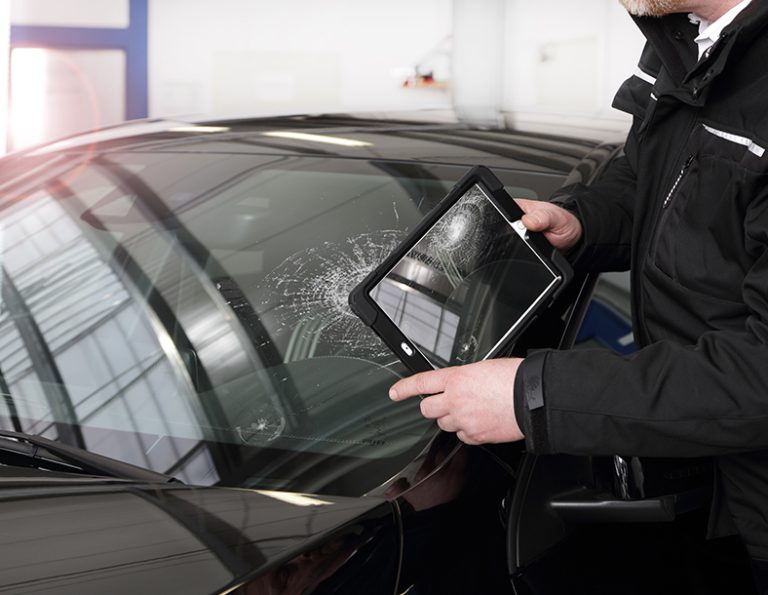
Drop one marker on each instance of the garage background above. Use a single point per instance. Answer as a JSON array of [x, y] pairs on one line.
[[76, 64]]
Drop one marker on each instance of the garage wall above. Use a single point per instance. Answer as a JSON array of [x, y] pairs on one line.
[[549, 59], [241, 56], [479, 62], [554, 58], [568, 58], [70, 13]]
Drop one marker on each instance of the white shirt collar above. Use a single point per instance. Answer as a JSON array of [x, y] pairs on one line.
[[709, 33]]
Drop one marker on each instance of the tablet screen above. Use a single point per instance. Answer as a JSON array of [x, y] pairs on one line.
[[466, 284]]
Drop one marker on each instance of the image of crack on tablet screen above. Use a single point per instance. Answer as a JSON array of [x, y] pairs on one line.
[[466, 285]]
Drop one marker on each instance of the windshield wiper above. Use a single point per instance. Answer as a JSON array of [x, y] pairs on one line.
[[49, 454]]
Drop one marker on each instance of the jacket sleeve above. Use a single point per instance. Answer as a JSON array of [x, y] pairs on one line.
[[702, 399], [605, 212]]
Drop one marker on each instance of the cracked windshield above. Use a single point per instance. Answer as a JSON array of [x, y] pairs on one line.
[[188, 313]]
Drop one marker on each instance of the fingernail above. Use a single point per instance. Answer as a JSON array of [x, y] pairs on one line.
[[393, 394]]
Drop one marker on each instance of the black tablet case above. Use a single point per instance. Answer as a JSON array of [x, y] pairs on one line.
[[363, 305]]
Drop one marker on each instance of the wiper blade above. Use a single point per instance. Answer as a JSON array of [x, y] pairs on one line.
[[51, 454]]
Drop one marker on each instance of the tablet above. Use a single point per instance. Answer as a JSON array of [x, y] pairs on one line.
[[465, 283]]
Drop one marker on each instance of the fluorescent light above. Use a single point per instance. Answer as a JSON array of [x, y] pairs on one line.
[[292, 498], [208, 129], [319, 138]]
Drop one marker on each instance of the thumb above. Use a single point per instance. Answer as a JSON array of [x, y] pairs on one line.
[[537, 220], [561, 228]]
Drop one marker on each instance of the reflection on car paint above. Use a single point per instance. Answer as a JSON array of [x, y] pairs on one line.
[[87, 535], [437, 477], [348, 564]]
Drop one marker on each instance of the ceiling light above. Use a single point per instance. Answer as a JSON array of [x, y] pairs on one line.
[[208, 129], [319, 138], [292, 498]]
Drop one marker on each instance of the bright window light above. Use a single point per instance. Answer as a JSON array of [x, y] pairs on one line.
[[29, 83]]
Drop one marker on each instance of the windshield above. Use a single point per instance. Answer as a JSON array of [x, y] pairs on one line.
[[188, 313]]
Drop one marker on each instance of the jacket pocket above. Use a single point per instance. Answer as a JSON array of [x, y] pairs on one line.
[[700, 239], [751, 146], [674, 202]]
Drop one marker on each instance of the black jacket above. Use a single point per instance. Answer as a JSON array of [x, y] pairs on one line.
[[686, 209]]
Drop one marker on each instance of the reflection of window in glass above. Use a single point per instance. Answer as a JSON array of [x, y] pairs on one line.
[[28, 395], [424, 321], [199, 469], [99, 345]]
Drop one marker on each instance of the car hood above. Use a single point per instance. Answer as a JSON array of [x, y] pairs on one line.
[[66, 534]]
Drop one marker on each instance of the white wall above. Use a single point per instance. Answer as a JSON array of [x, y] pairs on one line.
[[550, 58], [479, 71], [70, 13], [568, 58], [245, 56], [546, 58]]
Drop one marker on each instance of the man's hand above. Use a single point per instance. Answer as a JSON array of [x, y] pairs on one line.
[[476, 400], [561, 228]]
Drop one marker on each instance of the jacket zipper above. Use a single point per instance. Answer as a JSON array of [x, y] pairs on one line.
[[673, 190], [668, 199]]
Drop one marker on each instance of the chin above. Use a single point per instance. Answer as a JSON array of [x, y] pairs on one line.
[[652, 8]]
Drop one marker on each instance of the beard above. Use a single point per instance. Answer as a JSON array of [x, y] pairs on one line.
[[653, 8]]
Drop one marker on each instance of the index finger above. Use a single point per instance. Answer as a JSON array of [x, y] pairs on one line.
[[423, 383]]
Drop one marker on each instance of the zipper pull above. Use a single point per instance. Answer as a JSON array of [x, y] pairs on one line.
[[679, 178]]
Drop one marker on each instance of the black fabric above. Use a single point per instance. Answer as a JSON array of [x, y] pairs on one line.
[[760, 574], [687, 210], [529, 402]]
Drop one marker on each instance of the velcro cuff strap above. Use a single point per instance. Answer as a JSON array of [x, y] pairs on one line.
[[529, 402]]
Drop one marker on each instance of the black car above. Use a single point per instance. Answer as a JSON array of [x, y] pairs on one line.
[[191, 407]]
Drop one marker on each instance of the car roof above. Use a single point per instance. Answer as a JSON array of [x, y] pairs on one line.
[[400, 137]]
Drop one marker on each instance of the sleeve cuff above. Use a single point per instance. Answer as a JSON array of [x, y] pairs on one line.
[[530, 410]]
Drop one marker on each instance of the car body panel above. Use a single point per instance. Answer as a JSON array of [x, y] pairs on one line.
[[73, 535]]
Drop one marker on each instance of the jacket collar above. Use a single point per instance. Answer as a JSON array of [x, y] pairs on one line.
[[672, 37]]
